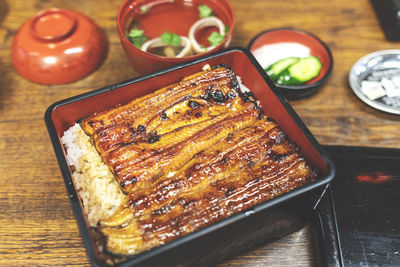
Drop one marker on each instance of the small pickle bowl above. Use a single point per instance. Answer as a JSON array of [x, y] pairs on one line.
[[266, 221], [147, 27], [279, 44]]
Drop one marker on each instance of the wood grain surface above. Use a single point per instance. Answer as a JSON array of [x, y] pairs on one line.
[[37, 226]]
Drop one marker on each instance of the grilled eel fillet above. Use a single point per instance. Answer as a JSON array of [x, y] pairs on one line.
[[157, 133], [188, 155], [247, 167]]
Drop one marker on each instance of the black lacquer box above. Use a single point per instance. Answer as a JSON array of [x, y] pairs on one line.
[[227, 237]]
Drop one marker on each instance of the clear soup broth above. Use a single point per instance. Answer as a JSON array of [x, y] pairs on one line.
[[155, 17]]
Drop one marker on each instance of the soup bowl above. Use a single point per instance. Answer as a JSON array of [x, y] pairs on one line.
[[157, 16]]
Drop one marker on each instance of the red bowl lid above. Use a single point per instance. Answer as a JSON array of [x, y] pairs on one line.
[[58, 46]]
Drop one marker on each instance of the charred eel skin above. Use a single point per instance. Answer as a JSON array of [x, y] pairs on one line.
[[188, 155], [158, 133], [188, 101], [244, 169]]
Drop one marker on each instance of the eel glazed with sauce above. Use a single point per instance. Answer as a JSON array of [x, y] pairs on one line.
[[188, 155]]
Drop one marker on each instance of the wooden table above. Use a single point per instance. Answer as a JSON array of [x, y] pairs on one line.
[[37, 226]]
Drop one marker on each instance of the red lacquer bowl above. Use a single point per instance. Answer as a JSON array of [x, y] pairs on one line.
[[58, 46], [317, 48], [144, 62]]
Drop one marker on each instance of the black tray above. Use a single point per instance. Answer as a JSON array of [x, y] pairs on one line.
[[358, 218]]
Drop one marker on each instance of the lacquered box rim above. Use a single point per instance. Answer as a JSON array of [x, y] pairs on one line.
[[78, 212]]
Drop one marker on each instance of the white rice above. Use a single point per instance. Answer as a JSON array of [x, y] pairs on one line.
[[94, 182], [243, 87]]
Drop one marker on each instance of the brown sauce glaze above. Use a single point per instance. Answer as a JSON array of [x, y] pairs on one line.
[[178, 206], [189, 155], [141, 108]]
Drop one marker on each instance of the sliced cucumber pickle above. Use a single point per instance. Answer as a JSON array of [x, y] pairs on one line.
[[286, 79], [278, 67], [305, 69], [294, 70]]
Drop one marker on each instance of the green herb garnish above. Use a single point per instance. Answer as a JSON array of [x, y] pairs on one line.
[[215, 38], [227, 29], [205, 11], [170, 38], [137, 36], [144, 9]]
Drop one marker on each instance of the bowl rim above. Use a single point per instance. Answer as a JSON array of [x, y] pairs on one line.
[[321, 183], [125, 4], [304, 86]]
